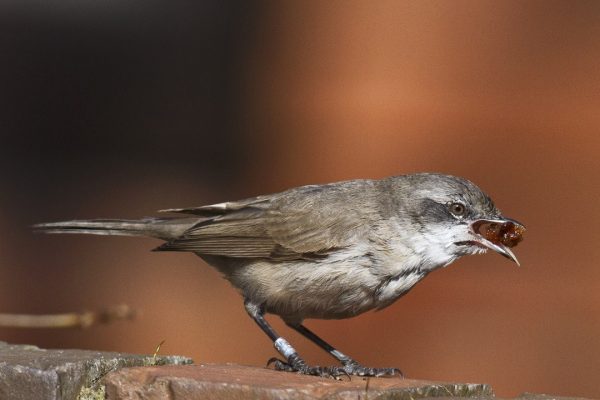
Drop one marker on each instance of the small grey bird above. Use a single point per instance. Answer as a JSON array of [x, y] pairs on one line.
[[329, 251]]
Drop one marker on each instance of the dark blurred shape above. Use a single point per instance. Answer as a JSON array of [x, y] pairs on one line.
[[101, 87]]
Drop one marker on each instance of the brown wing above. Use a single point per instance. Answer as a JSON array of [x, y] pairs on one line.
[[304, 222]]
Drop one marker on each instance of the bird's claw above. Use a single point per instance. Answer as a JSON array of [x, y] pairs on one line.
[[298, 365], [354, 368]]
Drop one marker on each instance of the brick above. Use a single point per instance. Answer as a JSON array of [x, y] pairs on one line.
[[28, 372], [240, 382]]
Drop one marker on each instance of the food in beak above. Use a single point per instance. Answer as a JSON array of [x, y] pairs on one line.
[[498, 235], [507, 233]]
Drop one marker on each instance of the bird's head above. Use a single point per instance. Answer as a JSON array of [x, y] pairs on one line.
[[457, 218]]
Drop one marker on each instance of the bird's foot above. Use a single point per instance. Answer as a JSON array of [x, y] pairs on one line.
[[298, 365], [354, 368], [351, 367]]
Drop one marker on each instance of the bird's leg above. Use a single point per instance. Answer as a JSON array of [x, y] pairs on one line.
[[350, 366], [293, 363]]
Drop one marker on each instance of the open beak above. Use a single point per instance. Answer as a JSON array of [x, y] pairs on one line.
[[506, 233]]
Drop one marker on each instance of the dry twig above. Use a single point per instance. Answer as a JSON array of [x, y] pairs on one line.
[[68, 320]]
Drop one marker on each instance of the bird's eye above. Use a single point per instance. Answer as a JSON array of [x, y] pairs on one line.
[[457, 209]]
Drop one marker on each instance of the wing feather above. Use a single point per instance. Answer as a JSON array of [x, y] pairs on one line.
[[309, 221]]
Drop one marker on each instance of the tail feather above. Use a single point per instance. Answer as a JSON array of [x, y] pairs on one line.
[[161, 228]]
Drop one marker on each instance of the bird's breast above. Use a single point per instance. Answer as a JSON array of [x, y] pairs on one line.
[[394, 287]]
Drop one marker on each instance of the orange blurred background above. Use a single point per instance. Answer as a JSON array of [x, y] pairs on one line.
[[120, 108]]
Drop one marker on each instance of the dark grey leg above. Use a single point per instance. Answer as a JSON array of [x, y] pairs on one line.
[[294, 363], [350, 366]]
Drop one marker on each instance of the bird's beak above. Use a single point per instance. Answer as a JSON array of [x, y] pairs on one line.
[[498, 235]]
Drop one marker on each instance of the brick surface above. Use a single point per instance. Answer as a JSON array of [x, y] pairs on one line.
[[240, 382], [28, 372], [537, 396]]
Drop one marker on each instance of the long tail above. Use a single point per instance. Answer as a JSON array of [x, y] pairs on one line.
[[161, 228]]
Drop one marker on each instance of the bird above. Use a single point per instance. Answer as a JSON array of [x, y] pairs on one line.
[[328, 251]]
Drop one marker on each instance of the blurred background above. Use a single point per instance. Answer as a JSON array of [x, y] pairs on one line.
[[119, 108]]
